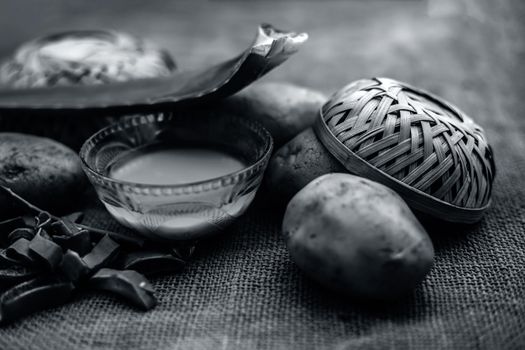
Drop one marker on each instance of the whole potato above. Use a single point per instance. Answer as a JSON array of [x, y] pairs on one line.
[[43, 171], [282, 108], [297, 163], [358, 237]]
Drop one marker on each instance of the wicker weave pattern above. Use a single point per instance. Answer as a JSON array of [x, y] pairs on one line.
[[414, 137]]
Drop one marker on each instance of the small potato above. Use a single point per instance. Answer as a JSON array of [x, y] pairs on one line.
[[41, 170], [357, 237], [284, 109], [297, 163]]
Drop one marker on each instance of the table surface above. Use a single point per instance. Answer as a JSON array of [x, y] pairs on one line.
[[242, 290]]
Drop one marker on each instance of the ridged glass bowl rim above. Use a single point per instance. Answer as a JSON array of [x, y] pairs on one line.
[[135, 121]]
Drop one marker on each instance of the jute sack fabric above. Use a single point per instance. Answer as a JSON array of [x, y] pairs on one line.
[[242, 291]]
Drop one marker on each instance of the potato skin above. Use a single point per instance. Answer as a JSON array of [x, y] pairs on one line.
[[297, 163], [282, 108], [43, 171], [357, 237]]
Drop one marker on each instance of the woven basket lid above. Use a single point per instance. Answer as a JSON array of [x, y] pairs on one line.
[[421, 146]]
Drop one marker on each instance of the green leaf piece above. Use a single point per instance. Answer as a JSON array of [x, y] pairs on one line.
[[64, 228], [73, 267], [128, 284], [19, 251], [22, 232], [150, 262], [32, 296], [11, 274], [38, 239], [46, 251], [101, 254], [80, 242]]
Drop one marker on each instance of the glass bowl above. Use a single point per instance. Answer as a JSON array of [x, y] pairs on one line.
[[179, 211]]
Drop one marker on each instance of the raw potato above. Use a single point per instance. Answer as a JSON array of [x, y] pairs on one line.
[[297, 163], [357, 237], [41, 170], [284, 109]]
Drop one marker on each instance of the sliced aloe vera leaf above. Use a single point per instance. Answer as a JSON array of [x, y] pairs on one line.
[[64, 228], [101, 254], [80, 242], [12, 273], [270, 48], [73, 267], [22, 232], [19, 252], [151, 262], [46, 251], [20, 222], [32, 296], [129, 284]]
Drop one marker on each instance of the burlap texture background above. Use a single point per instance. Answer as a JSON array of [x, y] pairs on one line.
[[242, 291]]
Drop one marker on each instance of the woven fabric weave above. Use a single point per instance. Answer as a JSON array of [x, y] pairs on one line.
[[241, 291]]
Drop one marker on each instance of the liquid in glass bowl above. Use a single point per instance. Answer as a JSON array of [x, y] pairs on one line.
[[176, 176]]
